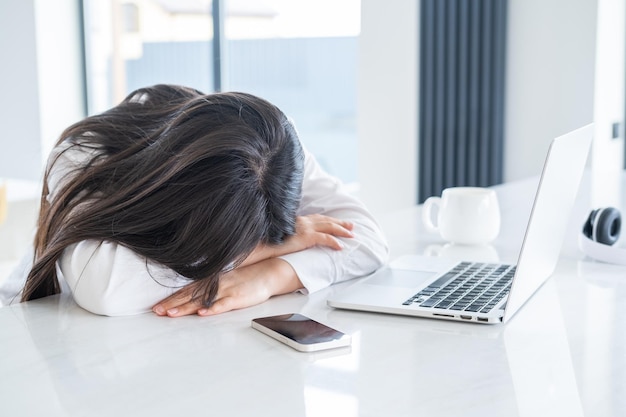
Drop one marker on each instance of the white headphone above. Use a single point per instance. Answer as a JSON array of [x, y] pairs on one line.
[[600, 232]]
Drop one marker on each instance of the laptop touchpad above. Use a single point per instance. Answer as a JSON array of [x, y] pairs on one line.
[[400, 278]]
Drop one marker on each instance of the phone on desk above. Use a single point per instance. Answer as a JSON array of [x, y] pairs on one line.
[[301, 333]]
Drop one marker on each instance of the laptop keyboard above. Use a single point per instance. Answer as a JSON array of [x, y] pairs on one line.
[[469, 286]]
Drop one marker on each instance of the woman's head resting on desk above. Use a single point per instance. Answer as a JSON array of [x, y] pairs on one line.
[[192, 181]]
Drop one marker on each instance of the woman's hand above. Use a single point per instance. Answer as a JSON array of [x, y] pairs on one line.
[[311, 230], [242, 287]]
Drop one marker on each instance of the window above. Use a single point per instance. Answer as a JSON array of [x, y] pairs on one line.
[[300, 55]]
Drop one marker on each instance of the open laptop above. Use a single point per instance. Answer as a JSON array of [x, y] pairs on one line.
[[484, 292]]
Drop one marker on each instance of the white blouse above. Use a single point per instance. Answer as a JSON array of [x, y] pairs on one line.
[[109, 279]]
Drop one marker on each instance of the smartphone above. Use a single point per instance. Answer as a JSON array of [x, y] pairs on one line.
[[301, 333]]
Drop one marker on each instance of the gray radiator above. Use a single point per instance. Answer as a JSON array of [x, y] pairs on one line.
[[461, 94]]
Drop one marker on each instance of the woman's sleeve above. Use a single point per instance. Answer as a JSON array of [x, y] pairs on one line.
[[362, 254], [104, 277], [109, 279]]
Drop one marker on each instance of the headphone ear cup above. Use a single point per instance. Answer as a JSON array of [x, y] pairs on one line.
[[588, 226], [607, 225], [601, 230]]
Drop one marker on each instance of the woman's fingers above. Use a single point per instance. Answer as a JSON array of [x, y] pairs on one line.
[[324, 231], [185, 309], [220, 306], [329, 241], [326, 224], [336, 229], [180, 303]]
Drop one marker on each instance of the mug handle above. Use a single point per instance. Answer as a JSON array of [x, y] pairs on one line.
[[427, 209]]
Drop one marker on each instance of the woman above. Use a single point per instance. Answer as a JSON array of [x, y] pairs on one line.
[[186, 203]]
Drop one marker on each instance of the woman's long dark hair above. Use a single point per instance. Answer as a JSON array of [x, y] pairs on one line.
[[191, 181]]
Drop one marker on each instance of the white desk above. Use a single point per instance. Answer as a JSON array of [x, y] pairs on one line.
[[563, 354]]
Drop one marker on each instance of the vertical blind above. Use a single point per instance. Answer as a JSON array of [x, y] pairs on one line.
[[461, 96]]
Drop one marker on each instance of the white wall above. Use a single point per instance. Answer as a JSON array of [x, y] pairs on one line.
[[20, 146], [387, 103], [41, 81], [550, 78]]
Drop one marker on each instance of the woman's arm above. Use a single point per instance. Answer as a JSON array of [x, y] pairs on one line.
[[354, 247], [242, 287], [263, 274], [108, 279], [327, 222], [312, 230], [363, 253]]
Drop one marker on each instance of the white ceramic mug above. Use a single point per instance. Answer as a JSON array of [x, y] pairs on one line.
[[463, 215]]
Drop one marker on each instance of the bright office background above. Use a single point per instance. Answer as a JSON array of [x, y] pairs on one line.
[[300, 55], [345, 70]]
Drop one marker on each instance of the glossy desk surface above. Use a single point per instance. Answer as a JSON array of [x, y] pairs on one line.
[[563, 354]]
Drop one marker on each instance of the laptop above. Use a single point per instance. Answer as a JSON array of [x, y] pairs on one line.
[[479, 292]]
